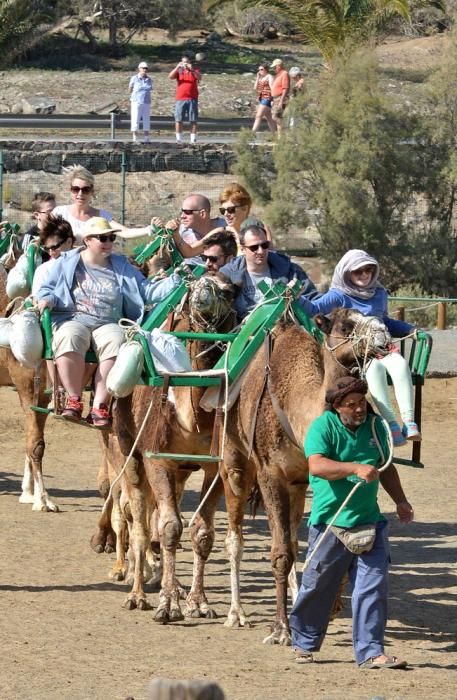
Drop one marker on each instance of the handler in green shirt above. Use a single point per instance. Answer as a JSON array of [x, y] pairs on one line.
[[340, 445]]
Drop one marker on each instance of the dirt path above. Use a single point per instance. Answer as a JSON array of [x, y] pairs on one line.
[[65, 634]]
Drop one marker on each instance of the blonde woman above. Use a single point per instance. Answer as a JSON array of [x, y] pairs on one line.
[[81, 184]]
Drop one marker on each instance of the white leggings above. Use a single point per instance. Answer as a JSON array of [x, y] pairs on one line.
[[395, 364]]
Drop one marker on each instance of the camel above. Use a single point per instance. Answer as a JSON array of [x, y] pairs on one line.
[[149, 484], [30, 387], [276, 409], [31, 392]]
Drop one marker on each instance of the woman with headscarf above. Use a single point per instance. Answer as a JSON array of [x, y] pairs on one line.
[[355, 285]]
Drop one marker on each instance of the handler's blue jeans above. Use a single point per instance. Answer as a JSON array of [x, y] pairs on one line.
[[368, 575]]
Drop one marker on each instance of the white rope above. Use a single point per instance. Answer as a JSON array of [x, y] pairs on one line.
[[357, 486], [143, 425], [224, 436]]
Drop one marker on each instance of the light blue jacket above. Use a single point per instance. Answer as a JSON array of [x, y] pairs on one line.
[[376, 306], [136, 290]]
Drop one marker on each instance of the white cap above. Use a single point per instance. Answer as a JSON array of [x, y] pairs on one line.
[[277, 62], [143, 64], [294, 71]]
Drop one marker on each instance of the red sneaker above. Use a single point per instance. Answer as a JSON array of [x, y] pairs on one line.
[[100, 417], [73, 408]]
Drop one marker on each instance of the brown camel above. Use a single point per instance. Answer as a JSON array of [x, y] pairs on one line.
[[282, 409], [11, 372], [29, 392], [184, 428]]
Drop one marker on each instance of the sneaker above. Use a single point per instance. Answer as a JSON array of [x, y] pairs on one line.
[[397, 435], [411, 431], [99, 417], [73, 408]]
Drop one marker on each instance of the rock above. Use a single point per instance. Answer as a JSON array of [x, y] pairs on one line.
[[106, 108], [38, 105], [16, 108], [4, 108]]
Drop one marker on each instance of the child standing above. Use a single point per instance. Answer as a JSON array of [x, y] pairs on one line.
[[355, 285]]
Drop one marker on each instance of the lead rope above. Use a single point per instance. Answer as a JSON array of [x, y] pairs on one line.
[[358, 484], [224, 436]]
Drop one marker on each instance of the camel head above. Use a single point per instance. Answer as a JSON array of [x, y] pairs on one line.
[[210, 302], [352, 337], [161, 260]]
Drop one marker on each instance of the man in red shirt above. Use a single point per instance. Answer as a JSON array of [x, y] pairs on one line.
[[280, 92], [187, 79]]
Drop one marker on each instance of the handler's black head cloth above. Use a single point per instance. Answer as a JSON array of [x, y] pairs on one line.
[[342, 387]]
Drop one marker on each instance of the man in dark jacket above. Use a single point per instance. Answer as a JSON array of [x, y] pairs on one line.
[[261, 264]]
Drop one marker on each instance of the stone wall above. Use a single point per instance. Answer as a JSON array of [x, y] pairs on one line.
[[103, 157]]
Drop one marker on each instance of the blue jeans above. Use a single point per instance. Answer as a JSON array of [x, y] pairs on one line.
[[186, 109], [368, 576]]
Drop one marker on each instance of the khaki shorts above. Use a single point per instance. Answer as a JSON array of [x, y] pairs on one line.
[[276, 112], [73, 336]]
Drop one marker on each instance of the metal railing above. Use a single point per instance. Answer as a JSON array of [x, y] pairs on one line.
[[114, 122]]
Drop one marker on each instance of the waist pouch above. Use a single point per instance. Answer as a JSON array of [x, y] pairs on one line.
[[357, 539]]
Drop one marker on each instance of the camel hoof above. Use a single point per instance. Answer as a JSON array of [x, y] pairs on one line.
[[109, 549], [194, 614], [97, 543], [116, 575], [210, 614], [232, 623], [162, 616], [129, 604], [176, 615], [143, 604], [26, 498]]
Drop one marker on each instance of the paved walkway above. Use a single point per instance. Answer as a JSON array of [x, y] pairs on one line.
[[443, 360]]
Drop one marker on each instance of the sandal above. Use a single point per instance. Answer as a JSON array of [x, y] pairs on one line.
[[391, 662], [303, 657], [99, 417], [73, 408]]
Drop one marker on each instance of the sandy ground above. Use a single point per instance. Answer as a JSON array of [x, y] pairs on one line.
[[66, 635]]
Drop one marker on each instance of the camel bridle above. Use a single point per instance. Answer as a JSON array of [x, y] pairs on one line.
[[364, 340]]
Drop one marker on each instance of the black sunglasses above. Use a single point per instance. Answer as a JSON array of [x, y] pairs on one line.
[[190, 211], [56, 246], [104, 237], [85, 189], [210, 258], [229, 210], [254, 248]]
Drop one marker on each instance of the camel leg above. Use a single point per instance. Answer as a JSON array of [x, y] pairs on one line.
[[297, 505], [119, 525], [238, 479], [202, 534], [34, 426], [104, 538], [277, 505], [136, 495], [27, 482], [162, 481]]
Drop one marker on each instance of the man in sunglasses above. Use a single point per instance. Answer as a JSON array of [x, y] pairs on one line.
[[42, 205], [258, 264]]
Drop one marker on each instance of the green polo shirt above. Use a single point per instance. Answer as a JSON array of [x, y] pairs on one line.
[[328, 436]]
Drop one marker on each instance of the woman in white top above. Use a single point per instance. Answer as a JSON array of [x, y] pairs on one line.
[[82, 184]]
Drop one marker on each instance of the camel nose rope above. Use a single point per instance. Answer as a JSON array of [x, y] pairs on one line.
[[359, 483]]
